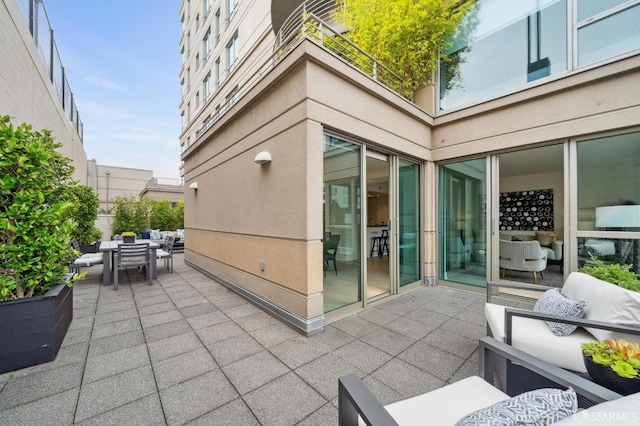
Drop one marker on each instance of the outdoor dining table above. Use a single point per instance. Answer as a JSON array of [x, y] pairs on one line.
[[108, 248]]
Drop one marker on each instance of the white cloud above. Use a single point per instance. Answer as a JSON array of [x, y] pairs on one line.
[[101, 82]]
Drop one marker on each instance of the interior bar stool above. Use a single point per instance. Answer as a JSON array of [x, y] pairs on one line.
[[376, 244], [384, 248]]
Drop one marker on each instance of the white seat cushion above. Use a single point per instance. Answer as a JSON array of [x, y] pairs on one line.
[[160, 254], [535, 338], [606, 302], [436, 407], [620, 411]]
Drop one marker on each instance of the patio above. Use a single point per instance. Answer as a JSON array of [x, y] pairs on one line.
[[189, 351]]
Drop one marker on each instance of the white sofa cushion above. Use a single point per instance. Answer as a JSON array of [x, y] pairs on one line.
[[535, 338], [435, 408], [624, 410], [605, 302]]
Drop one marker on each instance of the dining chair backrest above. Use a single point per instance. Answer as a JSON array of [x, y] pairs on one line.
[[168, 244], [133, 254]]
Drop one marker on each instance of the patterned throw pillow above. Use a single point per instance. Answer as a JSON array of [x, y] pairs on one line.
[[555, 303], [538, 407]]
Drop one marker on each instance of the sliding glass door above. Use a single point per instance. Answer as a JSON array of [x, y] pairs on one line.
[[408, 222], [371, 243], [463, 222]]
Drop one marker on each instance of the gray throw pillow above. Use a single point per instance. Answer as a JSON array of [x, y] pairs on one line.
[[555, 303], [539, 407]]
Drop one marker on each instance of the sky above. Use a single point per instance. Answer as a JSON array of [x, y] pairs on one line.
[[122, 61]]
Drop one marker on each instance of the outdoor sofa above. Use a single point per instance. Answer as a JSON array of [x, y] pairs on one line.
[[159, 237], [609, 312], [474, 400]]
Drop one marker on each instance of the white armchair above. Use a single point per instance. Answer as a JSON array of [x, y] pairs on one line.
[[523, 256]]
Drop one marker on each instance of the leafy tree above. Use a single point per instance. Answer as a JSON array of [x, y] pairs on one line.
[[35, 221], [162, 216], [85, 214], [178, 215], [131, 214], [405, 35]]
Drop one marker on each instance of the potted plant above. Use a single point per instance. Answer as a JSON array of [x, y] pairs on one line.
[[36, 225], [614, 364], [129, 237], [85, 214]]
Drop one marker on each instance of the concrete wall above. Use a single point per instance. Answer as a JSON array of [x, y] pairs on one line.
[[26, 92], [123, 181]]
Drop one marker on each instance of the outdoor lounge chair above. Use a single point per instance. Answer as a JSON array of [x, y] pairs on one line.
[[446, 405]]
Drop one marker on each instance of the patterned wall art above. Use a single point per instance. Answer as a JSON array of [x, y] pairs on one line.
[[527, 210]]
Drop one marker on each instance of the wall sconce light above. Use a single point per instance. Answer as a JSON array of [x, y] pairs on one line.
[[194, 185], [263, 158]]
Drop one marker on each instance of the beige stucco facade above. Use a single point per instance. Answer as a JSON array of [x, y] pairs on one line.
[[259, 228], [26, 92], [245, 215]]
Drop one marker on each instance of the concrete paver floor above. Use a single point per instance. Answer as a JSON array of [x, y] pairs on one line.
[[189, 351]]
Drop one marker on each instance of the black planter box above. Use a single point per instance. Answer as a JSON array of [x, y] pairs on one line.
[[129, 239], [88, 248], [33, 329]]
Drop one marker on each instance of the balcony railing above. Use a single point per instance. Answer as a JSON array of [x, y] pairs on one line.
[[305, 24], [165, 183]]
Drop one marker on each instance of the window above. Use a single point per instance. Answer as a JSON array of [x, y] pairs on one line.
[[206, 45], [216, 26], [188, 43], [206, 7], [182, 21], [502, 46], [232, 7], [188, 112], [197, 60], [217, 73], [197, 100], [605, 31], [188, 79], [182, 120], [197, 21], [608, 200], [182, 88], [206, 87], [232, 53], [182, 54]]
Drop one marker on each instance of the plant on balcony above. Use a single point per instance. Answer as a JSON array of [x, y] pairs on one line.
[[408, 35], [35, 213], [85, 214], [615, 273]]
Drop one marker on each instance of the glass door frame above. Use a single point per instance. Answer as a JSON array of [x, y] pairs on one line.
[[395, 288]]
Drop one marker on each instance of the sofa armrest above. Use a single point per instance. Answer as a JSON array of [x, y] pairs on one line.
[[580, 322], [556, 246], [356, 400], [491, 286]]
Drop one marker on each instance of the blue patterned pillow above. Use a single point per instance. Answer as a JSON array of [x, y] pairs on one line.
[[555, 303], [538, 407]]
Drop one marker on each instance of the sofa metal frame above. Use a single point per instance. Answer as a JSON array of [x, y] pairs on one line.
[[510, 313], [356, 400]]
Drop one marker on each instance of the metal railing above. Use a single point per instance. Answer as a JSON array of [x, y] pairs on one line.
[[313, 21], [37, 20], [164, 183]]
